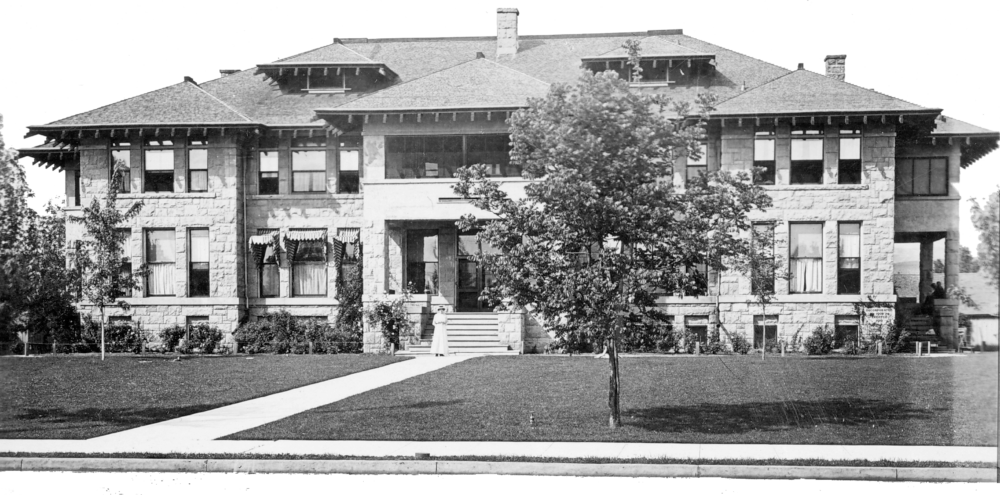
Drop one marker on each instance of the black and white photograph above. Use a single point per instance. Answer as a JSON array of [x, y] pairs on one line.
[[724, 247]]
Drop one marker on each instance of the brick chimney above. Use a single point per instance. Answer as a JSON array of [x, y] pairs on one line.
[[506, 32], [836, 66]]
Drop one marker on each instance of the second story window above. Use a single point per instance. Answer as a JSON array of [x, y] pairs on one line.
[[121, 159], [849, 160], [198, 271], [197, 165], [807, 156], [433, 157], [806, 256], [921, 176], [158, 162], [699, 165], [268, 180], [309, 165], [763, 155], [160, 255], [349, 165]]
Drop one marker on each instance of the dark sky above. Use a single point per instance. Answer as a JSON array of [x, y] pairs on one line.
[[76, 56]]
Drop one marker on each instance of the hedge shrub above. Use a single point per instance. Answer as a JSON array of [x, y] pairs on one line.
[[820, 342], [200, 337]]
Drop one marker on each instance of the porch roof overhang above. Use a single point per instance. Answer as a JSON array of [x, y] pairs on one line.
[[62, 133], [279, 69], [51, 154], [823, 116]]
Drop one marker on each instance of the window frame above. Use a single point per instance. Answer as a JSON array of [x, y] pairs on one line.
[[125, 147], [325, 263], [147, 147], [817, 134], [294, 148], [839, 327], [145, 257], [841, 271], [261, 172], [765, 133], [203, 145], [850, 134], [267, 264], [126, 267], [791, 259], [353, 174], [207, 269], [930, 167], [436, 262], [764, 327], [753, 245], [506, 169], [698, 329], [700, 167]]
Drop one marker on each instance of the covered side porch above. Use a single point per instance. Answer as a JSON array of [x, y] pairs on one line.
[[924, 309]]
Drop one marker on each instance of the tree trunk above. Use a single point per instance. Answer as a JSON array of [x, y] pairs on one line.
[[102, 334], [614, 403]]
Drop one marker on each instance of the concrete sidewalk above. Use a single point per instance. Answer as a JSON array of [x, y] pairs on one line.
[[550, 450], [234, 418]]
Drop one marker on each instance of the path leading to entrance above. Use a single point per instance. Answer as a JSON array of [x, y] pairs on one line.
[[227, 420]]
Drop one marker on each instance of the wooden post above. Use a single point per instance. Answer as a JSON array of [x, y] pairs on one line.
[[697, 348], [878, 346], [782, 348]]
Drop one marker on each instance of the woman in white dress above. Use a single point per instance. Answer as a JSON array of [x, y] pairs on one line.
[[439, 344]]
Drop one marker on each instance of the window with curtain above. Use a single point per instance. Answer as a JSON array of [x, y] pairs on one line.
[[349, 165], [268, 275], [160, 256], [309, 165], [845, 330], [422, 261], [121, 159], [806, 257], [849, 163], [762, 274], [807, 156], [126, 266], [268, 180], [763, 155], [765, 330], [309, 268], [351, 242], [849, 259], [197, 165], [198, 272], [158, 163], [921, 176], [696, 166]]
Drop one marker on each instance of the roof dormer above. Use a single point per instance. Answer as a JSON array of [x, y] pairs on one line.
[[663, 63], [335, 70]]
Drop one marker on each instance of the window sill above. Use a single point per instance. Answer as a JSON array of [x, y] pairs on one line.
[[656, 84], [294, 301], [436, 181], [166, 195], [324, 195], [928, 198], [816, 187]]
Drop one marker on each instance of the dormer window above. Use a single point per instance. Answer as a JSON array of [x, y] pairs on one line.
[[662, 62], [323, 77]]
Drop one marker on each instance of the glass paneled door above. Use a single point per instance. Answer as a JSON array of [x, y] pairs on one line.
[[472, 278]]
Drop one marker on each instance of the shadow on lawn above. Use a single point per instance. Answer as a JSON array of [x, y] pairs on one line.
[[773, 416], [57, 418]]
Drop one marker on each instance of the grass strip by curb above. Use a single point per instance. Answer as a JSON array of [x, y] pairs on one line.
[[509, 459], [504, 468]]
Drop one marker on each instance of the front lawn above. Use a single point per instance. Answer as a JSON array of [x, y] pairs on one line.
[[711, 399], [72, 397]]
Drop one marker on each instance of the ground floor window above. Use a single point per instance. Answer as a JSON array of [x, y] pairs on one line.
[[698, 326], [309, 269], [422, 261], [765, 330], [160, 255], [845, 330]]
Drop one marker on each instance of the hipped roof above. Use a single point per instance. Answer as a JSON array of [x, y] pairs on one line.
[[475, 84], [805, 92]]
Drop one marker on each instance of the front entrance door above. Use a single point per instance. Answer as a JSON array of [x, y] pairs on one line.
[[472, 278]]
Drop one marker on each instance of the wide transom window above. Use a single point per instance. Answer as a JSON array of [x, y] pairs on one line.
[[433, 157]]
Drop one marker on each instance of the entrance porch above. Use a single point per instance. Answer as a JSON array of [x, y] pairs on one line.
[[927, 314]]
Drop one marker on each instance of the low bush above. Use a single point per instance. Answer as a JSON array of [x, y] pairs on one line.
[[714, 344], [199, 337], [820, 342], [667, 342], [118, 337], [282, 333], [740, 343], [570, 343]]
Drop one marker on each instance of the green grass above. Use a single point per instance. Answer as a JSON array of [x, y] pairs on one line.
[[712, 399], [495, 458], [73, 397]]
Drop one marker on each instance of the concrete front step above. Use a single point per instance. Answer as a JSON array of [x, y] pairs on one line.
[[493, 350]]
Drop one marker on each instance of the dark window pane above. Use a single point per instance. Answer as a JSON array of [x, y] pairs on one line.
[[268, 183], [422, 277], [849, 281], [807, 172], [467, 274], [766, 174], [939, 176], [199, 280], [310, 251], [843, 334], [904, 176], [159, 181], [349, 182], [269, 280], [693, 171], [421, 245], [849, 172], [921, 176]]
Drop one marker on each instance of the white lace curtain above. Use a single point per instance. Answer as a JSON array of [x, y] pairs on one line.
[[807, 275], [309, 279], [161, 279]]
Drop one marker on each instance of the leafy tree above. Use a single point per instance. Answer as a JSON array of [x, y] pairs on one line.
[[600, 230], [938, 266], [969, 263], [36, 296], [349, 292], [102, 258], [987, 222]]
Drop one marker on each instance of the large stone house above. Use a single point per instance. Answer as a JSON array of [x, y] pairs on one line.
[[349, 151]]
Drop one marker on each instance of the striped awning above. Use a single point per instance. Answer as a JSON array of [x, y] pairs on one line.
[[306, 235], [259, 244], [348, 236]]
